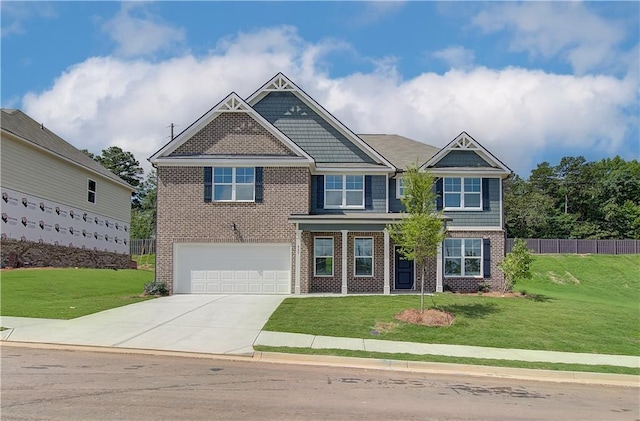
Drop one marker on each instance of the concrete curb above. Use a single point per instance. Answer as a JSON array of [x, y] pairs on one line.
[[624, 380], [621, 380]]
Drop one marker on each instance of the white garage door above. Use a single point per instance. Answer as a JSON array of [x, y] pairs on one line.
[[232, 268]]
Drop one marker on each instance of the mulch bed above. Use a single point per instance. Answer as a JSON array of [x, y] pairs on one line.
[[429, 317]]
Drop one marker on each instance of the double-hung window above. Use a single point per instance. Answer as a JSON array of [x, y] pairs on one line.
[[233, 184], [323, 256], [400, 187], [463, 193], [344, 191], [363, 255], [91, 191], [462, 257]]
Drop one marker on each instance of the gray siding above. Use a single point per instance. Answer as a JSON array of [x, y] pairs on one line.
[[32, 171], [378, 195], [339, 227], [461, 159], [308, 129], [487, 218]]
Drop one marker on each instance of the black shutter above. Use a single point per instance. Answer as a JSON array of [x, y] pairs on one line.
[[320, 191], [486, 257], [439, 190], [208, 184], [259, 184], [368, 199], [486, 204]]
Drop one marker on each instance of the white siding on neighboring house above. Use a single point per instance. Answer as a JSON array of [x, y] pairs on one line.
[[30, 170]]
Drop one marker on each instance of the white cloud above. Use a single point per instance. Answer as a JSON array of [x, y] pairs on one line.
[[548, 29], [516, 113], [456, 57], [137, 32], [375, 11], [15, 15]]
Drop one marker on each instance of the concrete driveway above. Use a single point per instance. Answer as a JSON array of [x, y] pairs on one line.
[[217, 324]]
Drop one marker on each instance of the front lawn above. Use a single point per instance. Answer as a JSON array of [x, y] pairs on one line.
[[69, 293], [577, 304]]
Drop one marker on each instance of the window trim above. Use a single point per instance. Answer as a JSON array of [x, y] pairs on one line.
[[461, 193], [462, 258], [94, 191], [234, 184], [344, 192], [399, 181], [356, 257], [315, 256]]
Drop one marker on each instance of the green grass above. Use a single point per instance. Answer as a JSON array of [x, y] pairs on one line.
[[145, 261], [455, 360], [69, 293], [577, 304]]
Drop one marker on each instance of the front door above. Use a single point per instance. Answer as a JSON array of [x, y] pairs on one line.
[[404, 271]]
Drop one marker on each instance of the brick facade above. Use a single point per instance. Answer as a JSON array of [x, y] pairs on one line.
[[233, 133], [497, 255], [184, 217]]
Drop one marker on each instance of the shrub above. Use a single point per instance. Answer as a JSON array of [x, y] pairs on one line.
[[517, 265], [156, 288], [484, 287]]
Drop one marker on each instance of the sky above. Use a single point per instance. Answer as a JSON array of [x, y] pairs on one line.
[[531, 81]]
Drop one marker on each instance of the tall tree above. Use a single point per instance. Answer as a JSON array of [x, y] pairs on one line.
[[143, 213], [422, 231], [121, 163]]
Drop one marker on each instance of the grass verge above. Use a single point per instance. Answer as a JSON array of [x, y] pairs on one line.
[[455, 360], [145, 261], [69, 293], [576, 304]]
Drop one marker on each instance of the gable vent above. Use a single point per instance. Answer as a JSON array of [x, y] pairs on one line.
[[233, 104], [279, 84], [464, 143]]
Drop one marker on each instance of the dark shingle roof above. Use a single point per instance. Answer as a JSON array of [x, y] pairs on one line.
[[23, 126], [402, 152]]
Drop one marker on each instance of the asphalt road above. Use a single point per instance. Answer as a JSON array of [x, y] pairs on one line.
[[42, 384]]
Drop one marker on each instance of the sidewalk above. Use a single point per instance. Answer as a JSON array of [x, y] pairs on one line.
[[375, 345], [97, 333]]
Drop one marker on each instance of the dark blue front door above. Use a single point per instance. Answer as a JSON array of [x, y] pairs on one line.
[[404, 272]]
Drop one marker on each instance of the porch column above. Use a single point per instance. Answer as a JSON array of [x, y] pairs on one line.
[[296, 287], [439, 269], [387, 266], [344, 261]]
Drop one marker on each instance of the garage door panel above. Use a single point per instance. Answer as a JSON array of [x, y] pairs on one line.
[[232, 268]]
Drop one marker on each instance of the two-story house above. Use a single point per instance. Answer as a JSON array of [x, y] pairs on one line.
[[273, 195], [59, 207]]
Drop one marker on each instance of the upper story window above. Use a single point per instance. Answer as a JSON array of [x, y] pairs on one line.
[[463, 193], [233, 184], [91, 191], [400, 187], [344, 191]]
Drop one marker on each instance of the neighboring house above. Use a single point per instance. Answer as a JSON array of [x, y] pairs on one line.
[[54, 196], [273, 195]]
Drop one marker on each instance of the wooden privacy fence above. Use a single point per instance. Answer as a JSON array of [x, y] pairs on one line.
[[537, 245], [560, 246], [142, 246]]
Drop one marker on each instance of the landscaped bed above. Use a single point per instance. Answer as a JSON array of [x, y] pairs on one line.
[[68, 293], [574, 303]]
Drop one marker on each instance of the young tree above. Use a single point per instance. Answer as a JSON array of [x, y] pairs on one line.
[[422, 231], [517, 265]]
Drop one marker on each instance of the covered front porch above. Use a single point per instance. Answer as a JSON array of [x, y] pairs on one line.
[[354, 254]]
